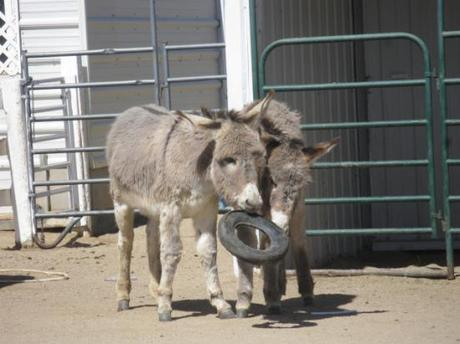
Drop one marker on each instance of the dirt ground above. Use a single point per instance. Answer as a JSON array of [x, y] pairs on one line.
[[82, 309]]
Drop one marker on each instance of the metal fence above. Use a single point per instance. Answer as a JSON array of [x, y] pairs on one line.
[[446, 122], [426, 122], [31, 85]]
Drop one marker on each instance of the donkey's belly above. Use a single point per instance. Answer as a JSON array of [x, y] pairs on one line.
[[189, 203]]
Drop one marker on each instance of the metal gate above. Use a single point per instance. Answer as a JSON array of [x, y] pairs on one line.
[[161, 85], [426, 122]]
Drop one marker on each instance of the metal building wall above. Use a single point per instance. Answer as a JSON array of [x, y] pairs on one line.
[[399, 60], [118, 24], [325, 63], [122, 24]]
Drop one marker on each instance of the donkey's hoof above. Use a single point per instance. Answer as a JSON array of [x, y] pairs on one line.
[[242, 313], [274, 309], [165, 316], [123, 305], [308, 300], [226, 314]]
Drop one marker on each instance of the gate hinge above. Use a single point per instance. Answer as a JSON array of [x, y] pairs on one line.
[[440, 216]]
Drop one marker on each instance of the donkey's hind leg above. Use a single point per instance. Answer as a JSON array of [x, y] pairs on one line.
[[302, 266], [205, 227], [152, 232], [124, 218]]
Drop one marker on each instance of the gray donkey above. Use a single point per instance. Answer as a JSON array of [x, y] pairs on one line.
[[283, 191], [171, 166]]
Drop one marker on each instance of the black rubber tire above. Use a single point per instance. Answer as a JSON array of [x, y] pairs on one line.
[[229, 239]]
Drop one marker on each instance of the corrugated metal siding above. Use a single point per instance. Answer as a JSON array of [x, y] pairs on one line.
[[119, 24], [325, 63], [401, 60], [122, 24]]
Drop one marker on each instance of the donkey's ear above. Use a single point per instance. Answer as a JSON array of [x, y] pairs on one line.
[[210, 125], [258, 108], [317, 151], [205, 112], [268, 138]]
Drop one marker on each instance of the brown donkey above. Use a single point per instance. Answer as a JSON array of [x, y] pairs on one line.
[[283, 191], [171, 166]]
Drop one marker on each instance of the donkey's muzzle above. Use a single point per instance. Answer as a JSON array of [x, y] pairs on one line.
[[234, 221]]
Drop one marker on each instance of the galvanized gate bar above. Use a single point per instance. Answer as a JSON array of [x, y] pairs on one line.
[[31, 85], [445, 123], [72, 118], [168, 79], [426, 122]]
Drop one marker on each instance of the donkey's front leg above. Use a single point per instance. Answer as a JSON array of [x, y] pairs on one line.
[[205, 227], [170, 255], [245, 277], [274, 285], [124, 218]]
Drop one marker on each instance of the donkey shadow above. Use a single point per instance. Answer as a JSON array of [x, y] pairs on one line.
[[295, 315]]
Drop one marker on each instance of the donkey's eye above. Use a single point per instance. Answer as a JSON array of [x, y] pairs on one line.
[[227, 161]]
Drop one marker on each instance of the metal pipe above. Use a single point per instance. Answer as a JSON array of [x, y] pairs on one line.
[[94, 84], [47, 108], [444, 141], [370, 124], [155, 55], [75, 213], [197, 78], [450, 34], [72, 118], [344, 85], [452, 121], [366, 231], [108, 51], [370, 199], [67, 150], [195, 46], [72, 182], [452, 81], [254, 48], [165, 85], [377, 163]]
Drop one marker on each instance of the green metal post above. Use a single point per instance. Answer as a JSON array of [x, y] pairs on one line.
[[444, 142]]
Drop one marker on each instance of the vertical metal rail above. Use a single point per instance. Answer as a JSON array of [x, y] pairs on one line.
[[154, 38], [445, 123], [426, 122]]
